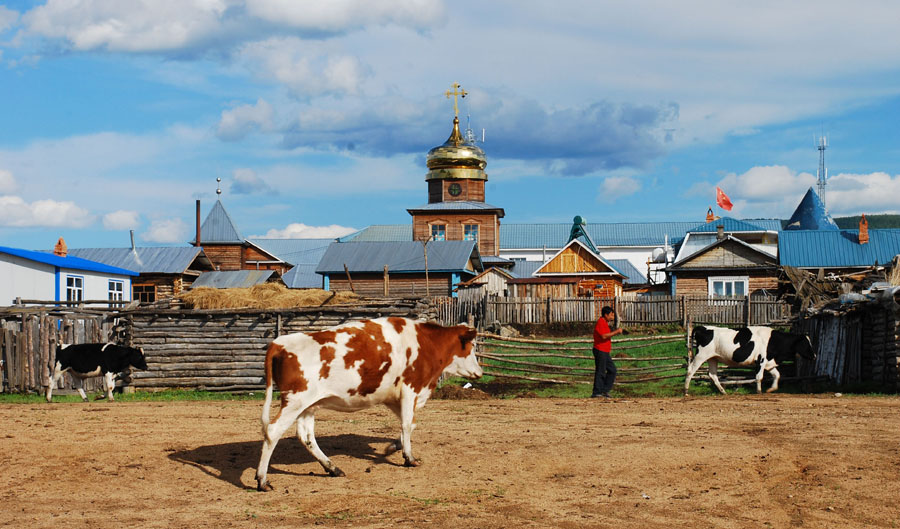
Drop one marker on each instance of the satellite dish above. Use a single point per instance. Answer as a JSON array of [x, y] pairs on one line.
[[658, 255]]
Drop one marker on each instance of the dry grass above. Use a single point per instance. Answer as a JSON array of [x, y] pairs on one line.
[[265, 296]]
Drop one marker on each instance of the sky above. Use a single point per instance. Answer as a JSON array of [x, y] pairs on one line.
[[317, 116]]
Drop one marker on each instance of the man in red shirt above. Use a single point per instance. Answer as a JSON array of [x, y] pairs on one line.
[[604, 368]]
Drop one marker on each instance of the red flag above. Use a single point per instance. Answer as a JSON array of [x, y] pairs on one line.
[[722, 199]]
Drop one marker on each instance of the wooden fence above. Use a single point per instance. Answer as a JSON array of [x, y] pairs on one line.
[[28, 340], [631, 311]]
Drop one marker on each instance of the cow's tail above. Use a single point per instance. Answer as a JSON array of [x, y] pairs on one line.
[[269, 387]]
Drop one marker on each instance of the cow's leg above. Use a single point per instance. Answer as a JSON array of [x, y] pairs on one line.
[[775, 375], [110, 380], [306, 431], [78, 383], [54, 380], [759, 375], [398, 443], [407, 425], [273, 432], [714, 374], [702, 356]]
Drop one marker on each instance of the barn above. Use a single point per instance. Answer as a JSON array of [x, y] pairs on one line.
[[390, 269]]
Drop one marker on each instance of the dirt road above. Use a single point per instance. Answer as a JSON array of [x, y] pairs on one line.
[[730, 462]]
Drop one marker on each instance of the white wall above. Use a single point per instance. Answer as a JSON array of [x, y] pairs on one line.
[[96, 284], [25, 279]]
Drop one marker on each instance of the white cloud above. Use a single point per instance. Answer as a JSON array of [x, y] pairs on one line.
[[121, 220], [852, 194], [246, 182], [304, 68], [7, 182], [8, 17], [166, 231], [244, 119], [302, 231], [339, 15], [14, 211], [616, 187]]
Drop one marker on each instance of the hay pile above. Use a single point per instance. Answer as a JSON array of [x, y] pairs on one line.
[[265, 296]]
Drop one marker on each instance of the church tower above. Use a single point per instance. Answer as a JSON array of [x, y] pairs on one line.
[[456, 209]]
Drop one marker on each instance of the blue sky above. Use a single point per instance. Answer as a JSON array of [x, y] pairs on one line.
[[117, 116]]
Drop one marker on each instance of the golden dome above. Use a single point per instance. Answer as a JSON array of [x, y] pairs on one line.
[[456, 158]]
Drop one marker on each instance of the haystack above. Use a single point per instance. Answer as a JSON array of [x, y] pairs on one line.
[[264, 296]]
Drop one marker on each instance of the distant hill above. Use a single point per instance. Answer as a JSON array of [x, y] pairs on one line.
[[875, 222]]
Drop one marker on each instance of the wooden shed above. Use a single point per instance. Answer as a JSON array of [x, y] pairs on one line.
[[575, 270], [729, 267]]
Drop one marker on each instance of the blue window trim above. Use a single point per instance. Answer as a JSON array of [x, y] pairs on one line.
[[67, 285], [454, 280], [58, 273], [326, 283]]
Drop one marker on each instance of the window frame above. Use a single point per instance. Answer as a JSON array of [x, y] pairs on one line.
[[116, 294], [140, 295], [73, 288], [469, 228], [443, 232], [728, 280]]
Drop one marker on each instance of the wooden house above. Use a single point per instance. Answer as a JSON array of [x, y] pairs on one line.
[[492, 281], [576, 270], [57, 276], [163, 272], [395, 269], [227, 249], [728, 267]]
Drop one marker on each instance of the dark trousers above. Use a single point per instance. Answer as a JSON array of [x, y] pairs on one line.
[[604, 372]]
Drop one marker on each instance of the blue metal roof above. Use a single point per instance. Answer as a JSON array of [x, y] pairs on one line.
[[303, 276], [408, 256], [72, 263], [837, 248], [633, 276], [381, 233], [161, 260], [729, 225], [295, 251], [811, 215], [232, 278], [525, 268], [461, 205], [219, 228]]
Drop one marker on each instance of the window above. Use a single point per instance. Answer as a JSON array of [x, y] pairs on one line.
[[471, 232], [116, 290], [728, 286], [438, 232], [74, 288], [143, 293]]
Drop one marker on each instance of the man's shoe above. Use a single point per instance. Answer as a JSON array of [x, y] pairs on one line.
[[605, 395]]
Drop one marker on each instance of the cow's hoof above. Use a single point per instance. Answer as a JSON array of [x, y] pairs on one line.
[[336, 473], [391, 448], [410, 463], [264, 486]]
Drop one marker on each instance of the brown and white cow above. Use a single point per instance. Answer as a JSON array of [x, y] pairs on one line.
[[390, 361]]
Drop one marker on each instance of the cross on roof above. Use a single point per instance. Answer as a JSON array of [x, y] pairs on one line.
[[455, 93]]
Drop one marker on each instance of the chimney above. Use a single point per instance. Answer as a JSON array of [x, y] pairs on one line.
[[720, 232], [61, 249], [709, 215], [863, 230], [197, 240], [133, 249]]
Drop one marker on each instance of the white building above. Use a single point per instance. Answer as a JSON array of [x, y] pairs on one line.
[[43, 276]]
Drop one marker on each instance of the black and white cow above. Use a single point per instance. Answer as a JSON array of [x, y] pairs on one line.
[[747, 346], [87, 360]]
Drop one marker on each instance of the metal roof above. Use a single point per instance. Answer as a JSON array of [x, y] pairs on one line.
[[232, 278], [219, 228], [633, 276], [524, 268], [461, 205], [381, 233], [302, 276], [70, 262], [161, 260], [679, 263], [811, 215], [556, 235], [729, 225], [408, 256], [837, 248], [295, 251]]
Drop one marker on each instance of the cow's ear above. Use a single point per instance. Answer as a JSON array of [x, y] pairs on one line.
[[468, 335]]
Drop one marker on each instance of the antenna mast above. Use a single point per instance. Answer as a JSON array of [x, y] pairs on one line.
[[822, 173]]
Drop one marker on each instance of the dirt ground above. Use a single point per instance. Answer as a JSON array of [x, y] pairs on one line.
[[730, 462]]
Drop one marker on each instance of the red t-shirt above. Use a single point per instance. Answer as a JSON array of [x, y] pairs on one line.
[[600, 329]]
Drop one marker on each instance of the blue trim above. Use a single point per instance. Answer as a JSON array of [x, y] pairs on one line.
[[672, 293], [454, 280], [58, 280], [326, 282]]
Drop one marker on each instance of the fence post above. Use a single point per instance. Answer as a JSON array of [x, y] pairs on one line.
[[684, 312], [747, 311], [549, 308]]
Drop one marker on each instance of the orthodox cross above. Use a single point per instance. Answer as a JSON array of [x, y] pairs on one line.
[[455, 93]]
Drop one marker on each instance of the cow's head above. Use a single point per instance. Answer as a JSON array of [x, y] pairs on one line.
[[804, 348], [464, 363], [136, 358]]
